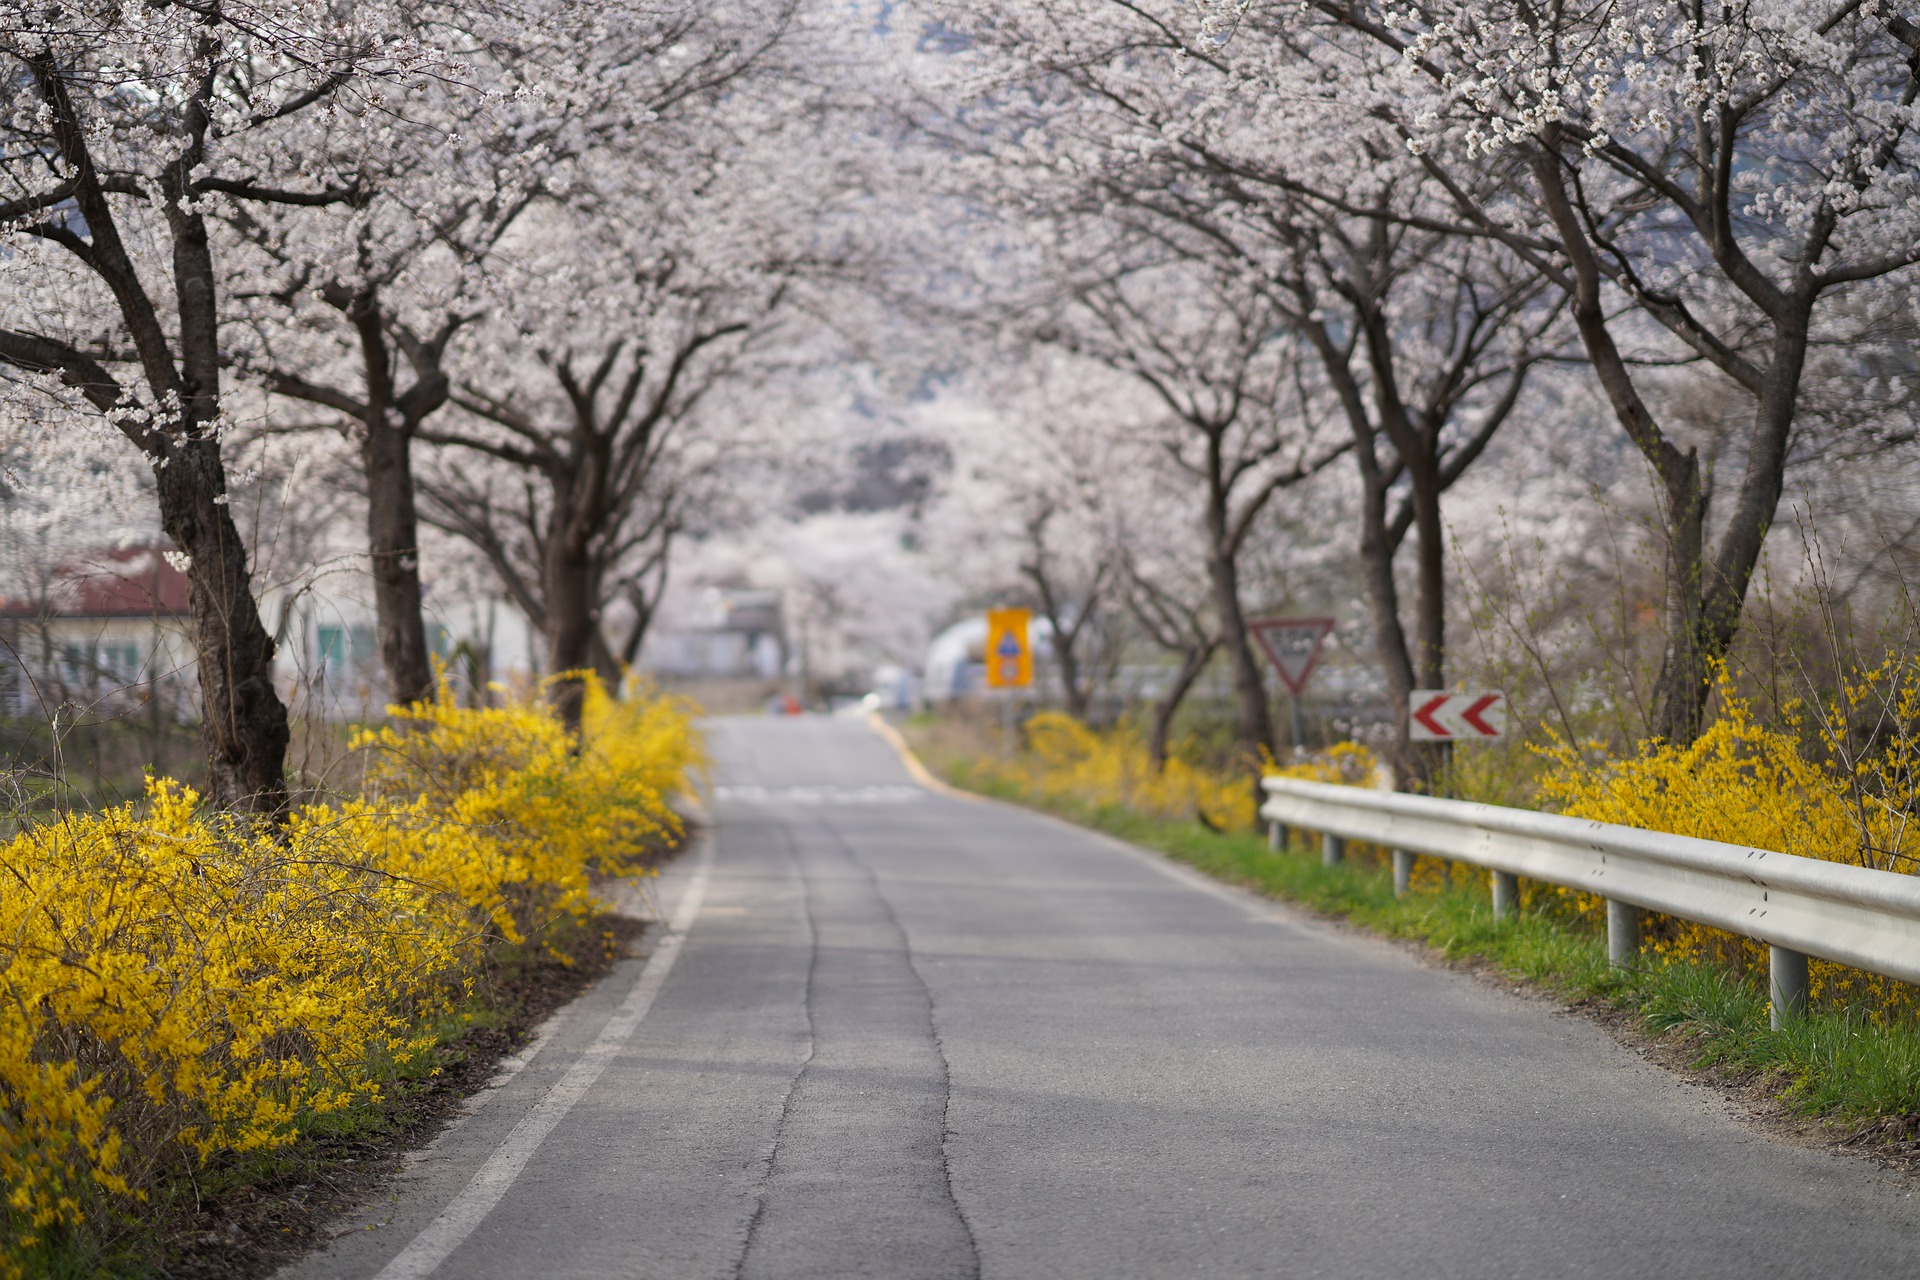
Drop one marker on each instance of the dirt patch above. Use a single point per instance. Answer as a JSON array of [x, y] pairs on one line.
[[276, 1218]]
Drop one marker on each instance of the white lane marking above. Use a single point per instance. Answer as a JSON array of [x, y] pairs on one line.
[[424, 1254]]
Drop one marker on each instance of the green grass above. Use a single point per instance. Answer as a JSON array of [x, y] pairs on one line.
[[1835, 1062]]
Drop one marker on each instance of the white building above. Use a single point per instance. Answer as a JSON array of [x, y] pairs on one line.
[[956, 658], [723, 631]]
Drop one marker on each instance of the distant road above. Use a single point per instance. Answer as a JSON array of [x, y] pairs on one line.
[[907, 1035]]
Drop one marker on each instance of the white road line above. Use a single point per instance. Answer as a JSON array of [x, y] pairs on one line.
[[457, 1221]]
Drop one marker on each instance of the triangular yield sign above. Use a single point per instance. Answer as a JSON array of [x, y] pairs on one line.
[[1293, 646]]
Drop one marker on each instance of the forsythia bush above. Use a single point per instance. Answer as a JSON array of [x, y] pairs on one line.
[[1067, 760], [177, 985], [1825, 787], [549, 810]]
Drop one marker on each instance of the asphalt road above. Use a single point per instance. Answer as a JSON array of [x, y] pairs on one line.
[[910, 1035]]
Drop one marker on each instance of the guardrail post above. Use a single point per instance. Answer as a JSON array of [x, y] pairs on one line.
[[1276, 836], [1332, 849], [1623, 934], [1402, 872], [1506, 894], [1786, 984]]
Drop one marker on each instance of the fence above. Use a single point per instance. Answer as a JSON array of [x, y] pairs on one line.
[[1797, 906]]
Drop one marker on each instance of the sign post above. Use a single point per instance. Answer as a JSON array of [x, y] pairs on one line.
[[1293, 646], [1009, 661]]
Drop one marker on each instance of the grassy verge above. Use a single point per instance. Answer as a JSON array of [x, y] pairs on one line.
[[1836, 1065]]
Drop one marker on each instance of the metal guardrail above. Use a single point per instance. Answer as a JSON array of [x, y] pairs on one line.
[[1797, 906]]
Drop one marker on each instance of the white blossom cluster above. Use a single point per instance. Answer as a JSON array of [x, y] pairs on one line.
[[1686, 237], [392, 197], [1165, 278]]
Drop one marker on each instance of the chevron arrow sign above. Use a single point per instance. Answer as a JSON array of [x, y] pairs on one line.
[[1436, 715]]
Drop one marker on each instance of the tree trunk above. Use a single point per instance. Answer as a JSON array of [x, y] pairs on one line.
[[1705, 598], [1065, 638], [1160, 738], [1072, 688], [393, 546], [1703, 603], [1380, 541], [1430, 582], [389, 424], [1253, 724], [1680, 692], [1377, 548], [1721, 598], [242, 720], [1427, 760], [572, 628]]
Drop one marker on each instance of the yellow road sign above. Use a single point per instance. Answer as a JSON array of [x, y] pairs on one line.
[[1009, 651]]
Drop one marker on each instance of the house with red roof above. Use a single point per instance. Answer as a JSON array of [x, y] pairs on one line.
[[110, 630], [107, 629]]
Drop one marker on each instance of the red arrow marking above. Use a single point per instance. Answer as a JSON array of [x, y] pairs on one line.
[[1425, 716], [1472, 715]]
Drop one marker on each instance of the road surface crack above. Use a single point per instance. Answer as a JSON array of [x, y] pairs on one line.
[[933, 1034], [786, 1102]]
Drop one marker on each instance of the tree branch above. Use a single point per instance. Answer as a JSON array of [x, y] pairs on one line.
[[76, 368]]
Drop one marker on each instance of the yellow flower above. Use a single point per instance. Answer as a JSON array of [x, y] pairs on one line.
[[1805, 789], [173, 980]]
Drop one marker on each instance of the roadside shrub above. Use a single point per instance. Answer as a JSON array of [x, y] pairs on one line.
[[553, 808], [177, 985], [1066, 760], [1823, 786]]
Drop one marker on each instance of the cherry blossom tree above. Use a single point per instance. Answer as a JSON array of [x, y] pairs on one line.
[[409, 264], [1236, 424], [124, 129], [1708, 184], [593, 483], [1420, 339], [643, 298]]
